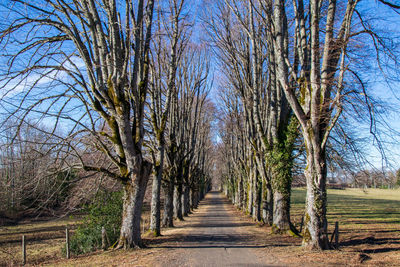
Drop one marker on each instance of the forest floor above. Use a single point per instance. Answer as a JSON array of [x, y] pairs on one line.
[[217, 234]]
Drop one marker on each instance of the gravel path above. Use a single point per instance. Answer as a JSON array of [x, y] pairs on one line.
[[213, 236]]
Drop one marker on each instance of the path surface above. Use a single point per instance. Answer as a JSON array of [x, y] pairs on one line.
[[213, 236]]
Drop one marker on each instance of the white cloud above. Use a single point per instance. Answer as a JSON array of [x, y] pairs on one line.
[[11, 88]]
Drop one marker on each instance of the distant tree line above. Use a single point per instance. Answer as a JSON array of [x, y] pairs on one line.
[[368, 178]]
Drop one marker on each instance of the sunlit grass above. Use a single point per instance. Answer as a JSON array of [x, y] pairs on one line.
[[44, 240], [35, 226], [356, 208]]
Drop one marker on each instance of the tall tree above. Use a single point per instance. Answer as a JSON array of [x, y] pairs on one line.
[[312, 59], [94, 57], [243, 48], [184, 123], [170, 44], [315, 108]]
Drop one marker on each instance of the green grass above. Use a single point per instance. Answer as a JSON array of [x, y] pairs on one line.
[[356, 208]]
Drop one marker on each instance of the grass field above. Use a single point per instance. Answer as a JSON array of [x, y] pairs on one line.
[[369, 222], [356, 208], [45, 239]]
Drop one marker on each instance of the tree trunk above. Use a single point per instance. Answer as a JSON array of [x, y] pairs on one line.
[[178, 202], [155, 218], [250, 196], [281, 167], [130, 236], [232, 195], [195, 199], [242, 195], [315, 223], [185, 200], [245, 195], [267, 203], [282, 183], [168, 219], [256, 198], [201, 191], [191, 199], [238, 200], [281, 217]]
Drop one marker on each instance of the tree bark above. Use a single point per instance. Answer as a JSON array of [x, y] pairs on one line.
[[195, 199], [315, 223], [201, 193], [130, 236], [178, 202], [256, 198], [281, 217], [237, 195], [191, 199], [267, 208], [242, 194], [250, 195], [185, 200], [155, 218], [168, 219], [282, 181]]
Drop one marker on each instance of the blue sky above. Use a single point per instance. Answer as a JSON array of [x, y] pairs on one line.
[[379, 87]]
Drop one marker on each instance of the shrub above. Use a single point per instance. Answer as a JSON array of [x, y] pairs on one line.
[[105, 210]]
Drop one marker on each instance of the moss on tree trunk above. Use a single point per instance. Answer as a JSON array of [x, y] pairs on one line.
[[134, 190]]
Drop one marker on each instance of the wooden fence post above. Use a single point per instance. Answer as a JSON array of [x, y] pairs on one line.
[[23, 250], [67, 242]]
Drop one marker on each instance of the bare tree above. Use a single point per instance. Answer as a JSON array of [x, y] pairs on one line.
[[32, 178], [93, 59], [243, 48], [312, 72], [170, 44], [184, 122]]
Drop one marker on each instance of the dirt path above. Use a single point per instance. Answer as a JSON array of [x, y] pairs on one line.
[[213, 236]]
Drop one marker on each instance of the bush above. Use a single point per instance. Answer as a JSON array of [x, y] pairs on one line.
[[105, 210]]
